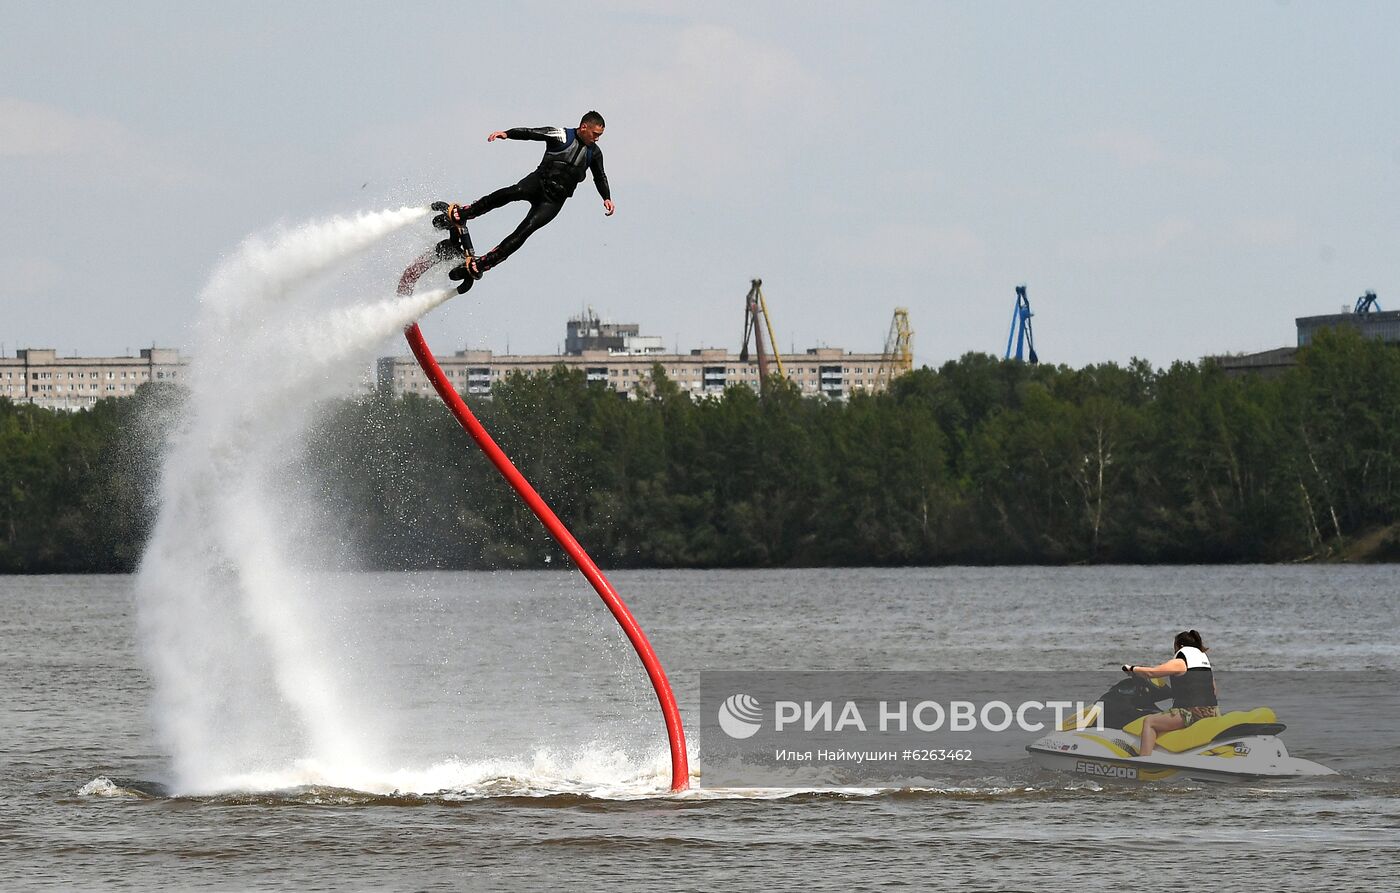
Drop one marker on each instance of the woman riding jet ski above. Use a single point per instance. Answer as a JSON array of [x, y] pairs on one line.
[[1124, 735]]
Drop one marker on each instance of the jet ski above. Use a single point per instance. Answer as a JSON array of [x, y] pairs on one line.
[[1241, 745]]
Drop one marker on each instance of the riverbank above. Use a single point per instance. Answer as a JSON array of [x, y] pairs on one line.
[[977, 463]]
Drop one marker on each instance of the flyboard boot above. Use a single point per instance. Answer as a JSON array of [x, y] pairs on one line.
[[471, 269], [457, 245]]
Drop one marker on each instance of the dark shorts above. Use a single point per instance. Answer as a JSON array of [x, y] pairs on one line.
[[1191, 714]]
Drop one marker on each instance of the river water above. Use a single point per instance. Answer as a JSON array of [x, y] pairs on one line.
[[510, 740]]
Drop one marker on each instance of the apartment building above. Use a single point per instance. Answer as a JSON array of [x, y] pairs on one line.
[[41, 377], [617, 355]]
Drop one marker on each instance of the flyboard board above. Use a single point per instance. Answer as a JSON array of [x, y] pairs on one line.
[[457, 246]]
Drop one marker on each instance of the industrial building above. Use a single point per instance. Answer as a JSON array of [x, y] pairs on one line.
[[41, 377], [618, 355], [1365, 317], [1383, 326], [1265, 362]]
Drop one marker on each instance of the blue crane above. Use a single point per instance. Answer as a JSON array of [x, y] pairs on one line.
[[1021, 328], [1367, 302]]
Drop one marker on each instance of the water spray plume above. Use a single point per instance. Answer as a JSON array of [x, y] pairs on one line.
[[242, 681]]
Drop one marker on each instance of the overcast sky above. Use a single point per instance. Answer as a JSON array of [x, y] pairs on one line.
[[1171, 180]]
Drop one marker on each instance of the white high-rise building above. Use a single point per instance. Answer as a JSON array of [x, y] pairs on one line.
[[617, 355], [41, 377]]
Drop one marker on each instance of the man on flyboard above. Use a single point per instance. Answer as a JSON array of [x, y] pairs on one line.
[[569, 153]]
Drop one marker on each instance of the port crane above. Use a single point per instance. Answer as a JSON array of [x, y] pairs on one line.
[[754, 307], [899, 350], [1367, 303], [1020, 332]]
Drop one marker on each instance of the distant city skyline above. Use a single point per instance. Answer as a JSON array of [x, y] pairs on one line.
[[1170, 183]]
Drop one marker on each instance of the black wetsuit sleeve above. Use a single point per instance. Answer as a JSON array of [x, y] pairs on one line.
[[544, 134], [600, 178]]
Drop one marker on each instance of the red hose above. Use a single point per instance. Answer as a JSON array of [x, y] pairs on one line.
[[680, 769]]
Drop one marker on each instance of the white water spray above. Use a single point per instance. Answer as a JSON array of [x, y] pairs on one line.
[[243, 682]]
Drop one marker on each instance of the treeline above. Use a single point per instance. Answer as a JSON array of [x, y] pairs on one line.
[[74, 487], [980, 461]]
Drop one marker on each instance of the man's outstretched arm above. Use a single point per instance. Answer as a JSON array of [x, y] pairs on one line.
[[600, 179], [545, 134]]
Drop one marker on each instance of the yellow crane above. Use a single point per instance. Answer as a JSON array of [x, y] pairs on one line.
[[899, 350], [754, 306]]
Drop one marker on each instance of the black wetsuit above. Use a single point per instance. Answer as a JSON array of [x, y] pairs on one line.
[[566, 161]]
